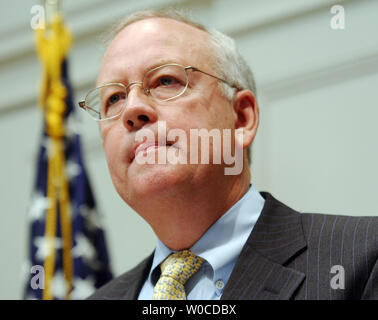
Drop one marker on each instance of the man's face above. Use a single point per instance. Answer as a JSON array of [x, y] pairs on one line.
[[135, 50]]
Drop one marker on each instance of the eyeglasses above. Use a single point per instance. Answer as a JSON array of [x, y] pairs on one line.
[[163, 83]]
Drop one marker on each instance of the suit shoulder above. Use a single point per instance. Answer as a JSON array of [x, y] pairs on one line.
[[120, 287], [322, 218], [359, 228]]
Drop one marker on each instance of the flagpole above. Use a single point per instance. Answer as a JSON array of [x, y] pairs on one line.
[[52, 45]]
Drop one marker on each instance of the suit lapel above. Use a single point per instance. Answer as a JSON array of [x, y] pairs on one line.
[[134, 279], [260, 271]]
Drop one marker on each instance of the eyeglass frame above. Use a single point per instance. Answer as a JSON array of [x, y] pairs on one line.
[[82, 104]]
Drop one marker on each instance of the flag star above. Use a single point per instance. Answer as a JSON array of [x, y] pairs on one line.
[[38, 207], [92, 216], [73, 169], [59, 286], [83, 288], [83, 248], [44, 248]]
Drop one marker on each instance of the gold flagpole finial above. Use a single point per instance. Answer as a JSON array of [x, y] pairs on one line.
[[52, 7]]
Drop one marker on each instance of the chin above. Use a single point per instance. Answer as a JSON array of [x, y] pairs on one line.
[[148, 182]]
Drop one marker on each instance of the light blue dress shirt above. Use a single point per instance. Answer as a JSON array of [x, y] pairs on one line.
[[220, 246]]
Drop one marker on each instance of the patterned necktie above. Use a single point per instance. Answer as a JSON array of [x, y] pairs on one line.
[[175, 271]]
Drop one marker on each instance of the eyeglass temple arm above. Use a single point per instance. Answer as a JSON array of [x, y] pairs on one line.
[[211, 75], [82, 105]]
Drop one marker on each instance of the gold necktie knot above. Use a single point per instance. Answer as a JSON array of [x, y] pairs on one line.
[[175, 271]]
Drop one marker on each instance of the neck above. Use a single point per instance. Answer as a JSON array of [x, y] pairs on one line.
[[180, 219]]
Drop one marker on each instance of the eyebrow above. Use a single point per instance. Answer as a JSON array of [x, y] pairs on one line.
[[160, 62]]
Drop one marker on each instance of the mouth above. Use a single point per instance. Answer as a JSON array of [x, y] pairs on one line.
[[145, 146]]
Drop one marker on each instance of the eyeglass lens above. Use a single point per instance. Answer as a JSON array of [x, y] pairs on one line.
[[163, 83]]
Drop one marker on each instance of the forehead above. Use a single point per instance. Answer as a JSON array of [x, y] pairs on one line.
[[146, 43]]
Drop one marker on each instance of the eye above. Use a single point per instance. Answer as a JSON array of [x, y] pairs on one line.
[[114, 103], [115, 98], [167, 81]]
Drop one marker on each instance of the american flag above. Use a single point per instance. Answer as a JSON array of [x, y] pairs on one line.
[[82, 267]]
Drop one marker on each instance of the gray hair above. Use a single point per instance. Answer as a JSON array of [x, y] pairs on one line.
[[228, 62]]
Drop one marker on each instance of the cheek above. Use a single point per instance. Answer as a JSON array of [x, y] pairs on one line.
[[114, 149], [222, 114], [207, 117], [192, 113], [208, 113], [215, 111]]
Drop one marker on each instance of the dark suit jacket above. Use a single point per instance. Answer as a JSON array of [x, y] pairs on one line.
[[289, 255]]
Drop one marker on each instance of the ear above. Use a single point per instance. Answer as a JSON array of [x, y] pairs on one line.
[[247, 117]]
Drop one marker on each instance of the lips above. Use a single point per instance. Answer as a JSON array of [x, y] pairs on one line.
[[140, 147]]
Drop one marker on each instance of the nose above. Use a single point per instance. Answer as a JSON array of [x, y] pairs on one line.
[[138, 110]]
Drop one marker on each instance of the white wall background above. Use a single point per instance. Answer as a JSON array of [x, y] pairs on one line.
[[316, 149]]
